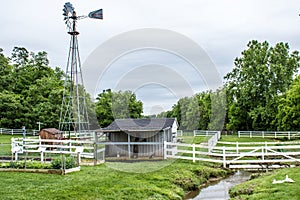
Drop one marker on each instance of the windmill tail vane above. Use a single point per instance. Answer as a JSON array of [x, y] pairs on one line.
[[69, 12], [97, 14]]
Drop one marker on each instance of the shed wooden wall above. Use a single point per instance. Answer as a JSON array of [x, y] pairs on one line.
[[143, 150]]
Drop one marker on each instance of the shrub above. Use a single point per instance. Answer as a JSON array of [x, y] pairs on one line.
[[37, 165], [70, 162], [17, 164], [29, 165]]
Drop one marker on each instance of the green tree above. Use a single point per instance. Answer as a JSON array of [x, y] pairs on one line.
[[117, 105], [259, 76], [288, 116], [204, 106], [35, 90], [217, 110], [5, 72]]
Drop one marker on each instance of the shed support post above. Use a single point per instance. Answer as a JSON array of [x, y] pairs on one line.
[[128, 145], [165, 150]]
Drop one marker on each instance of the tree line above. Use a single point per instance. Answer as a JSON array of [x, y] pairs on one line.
[[262, 92], [31, 91]]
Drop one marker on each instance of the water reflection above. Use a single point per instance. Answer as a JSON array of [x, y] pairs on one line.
[[220, 190]]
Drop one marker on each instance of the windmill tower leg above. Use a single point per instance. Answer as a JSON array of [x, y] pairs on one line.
[[73, 114]]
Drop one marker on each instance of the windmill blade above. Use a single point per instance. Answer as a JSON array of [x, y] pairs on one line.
[[97, 14], [68, 8]]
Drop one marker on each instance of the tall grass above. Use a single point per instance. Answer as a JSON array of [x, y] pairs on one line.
[[262, 188]]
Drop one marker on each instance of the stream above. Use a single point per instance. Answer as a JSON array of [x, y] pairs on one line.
[[220, 190]]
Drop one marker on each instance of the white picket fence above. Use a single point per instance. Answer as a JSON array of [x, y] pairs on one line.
[[245, 154], [270, 134], [83, 149]]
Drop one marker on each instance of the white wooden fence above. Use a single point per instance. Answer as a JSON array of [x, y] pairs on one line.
[[8, 131], [66, 134], [261, 154], [270, 134], [83, 149], [204, 133]]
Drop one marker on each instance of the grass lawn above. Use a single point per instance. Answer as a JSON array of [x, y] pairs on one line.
[[5, 145], [262, 188], [235, 138], [104, 182], [194, 140]]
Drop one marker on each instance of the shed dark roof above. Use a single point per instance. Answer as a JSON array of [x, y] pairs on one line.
[[152, 124]]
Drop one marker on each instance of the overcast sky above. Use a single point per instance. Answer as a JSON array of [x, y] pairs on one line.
[[222, 28]]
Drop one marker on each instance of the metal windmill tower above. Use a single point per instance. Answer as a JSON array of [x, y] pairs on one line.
[[73, 114]]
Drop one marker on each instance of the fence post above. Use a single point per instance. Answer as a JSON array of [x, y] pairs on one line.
[[95, 148], [275, 134], [262, 153], [42, 156], [239, 134], [78, 158], [194, 159], [40, 141], [237, 147], [194, 133], [12, 148], [266, 145], [289, 135], [250, 134], [224, 157], [263, 134]]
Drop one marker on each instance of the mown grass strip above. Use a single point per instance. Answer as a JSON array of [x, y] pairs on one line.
[[171, 181]]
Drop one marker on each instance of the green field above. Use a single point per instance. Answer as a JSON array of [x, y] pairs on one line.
[[104, 182]]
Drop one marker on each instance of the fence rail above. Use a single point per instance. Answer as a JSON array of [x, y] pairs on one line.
[[7, 131], [268, 153], [204, 132], [81, 148], [270, 134]]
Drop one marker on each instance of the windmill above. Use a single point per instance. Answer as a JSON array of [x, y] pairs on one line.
[[73, 114]]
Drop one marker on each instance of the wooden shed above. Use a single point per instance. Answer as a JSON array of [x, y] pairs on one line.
[[135, 138], [51, 133]]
